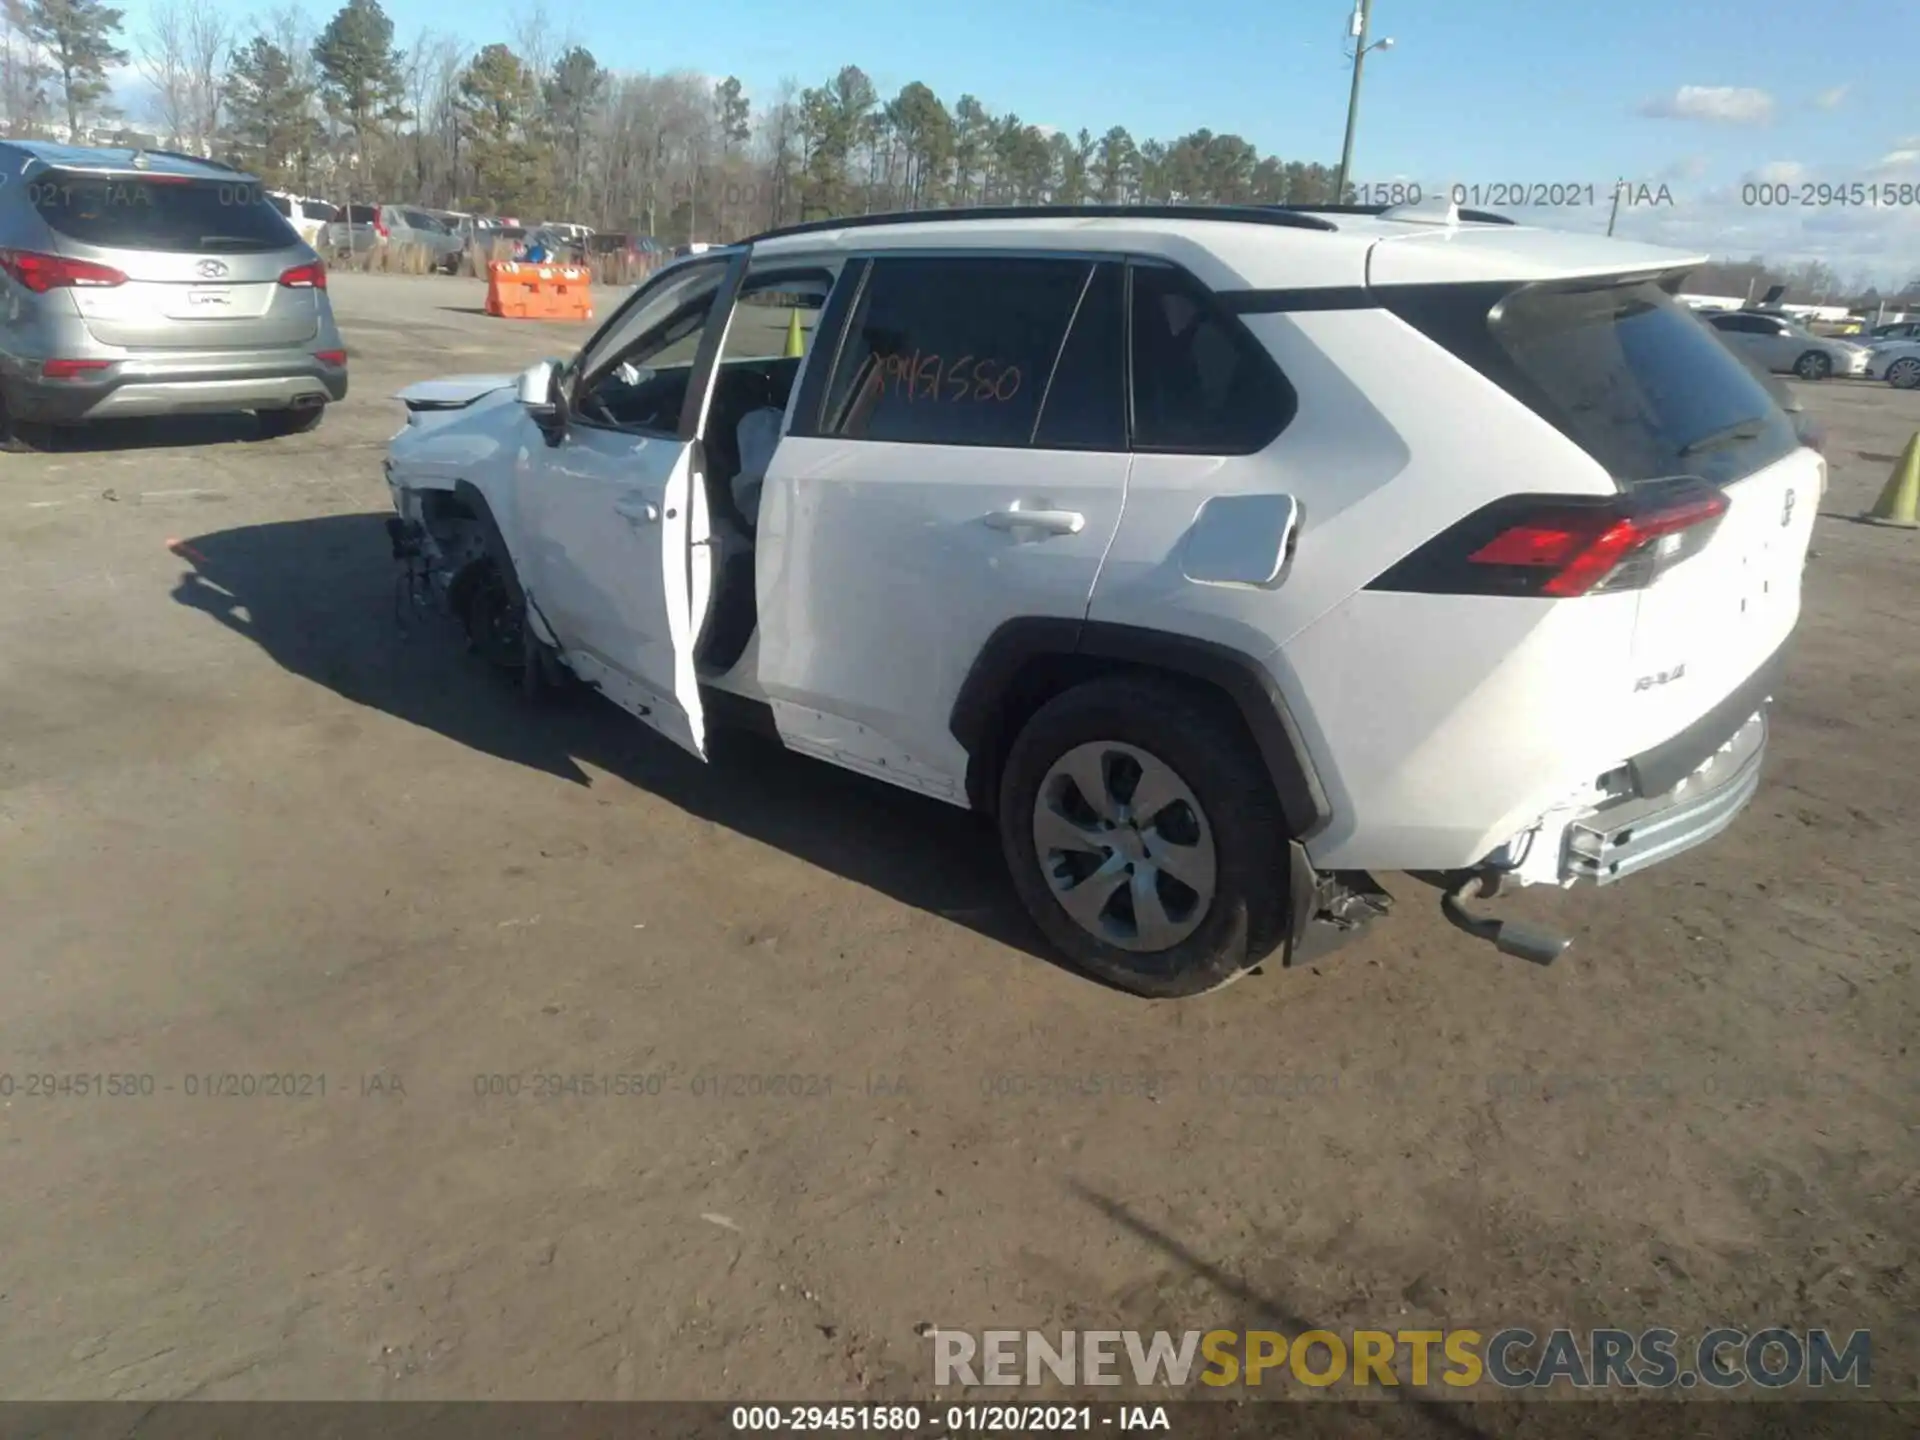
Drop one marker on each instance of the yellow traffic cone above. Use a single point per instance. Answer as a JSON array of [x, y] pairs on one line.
[[795, 349], [1900, 499]]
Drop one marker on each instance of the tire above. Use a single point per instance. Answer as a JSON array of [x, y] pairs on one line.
[[1216, 798], [18, 437], [1904, 374], [1814, 365], [276, 423]]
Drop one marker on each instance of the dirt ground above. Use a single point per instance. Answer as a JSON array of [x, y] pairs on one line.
[[250, 826]]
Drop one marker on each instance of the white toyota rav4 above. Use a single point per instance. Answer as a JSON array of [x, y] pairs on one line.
[[1223, 556]]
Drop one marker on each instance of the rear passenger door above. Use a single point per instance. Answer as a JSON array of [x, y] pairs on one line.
[[955, 461]]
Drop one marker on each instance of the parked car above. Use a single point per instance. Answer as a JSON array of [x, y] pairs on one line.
[[1897, 362], [308, 217], [407, 225], [563, 246], [141, 283], [1899, 330], [1787, 346], [354, 230], [1149, 533], [367, 227]]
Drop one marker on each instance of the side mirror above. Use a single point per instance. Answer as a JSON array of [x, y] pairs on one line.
[[539, 392]]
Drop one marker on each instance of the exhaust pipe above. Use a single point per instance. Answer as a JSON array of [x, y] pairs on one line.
[[1509, 937]]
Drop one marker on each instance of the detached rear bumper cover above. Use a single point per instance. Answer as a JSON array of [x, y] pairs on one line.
[[1615, 840]]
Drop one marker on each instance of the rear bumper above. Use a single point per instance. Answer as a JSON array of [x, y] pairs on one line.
[[1615, 840], [177, 385]]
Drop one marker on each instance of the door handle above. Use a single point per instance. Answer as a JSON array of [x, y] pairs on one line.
[[640, 512], [1052, 522]]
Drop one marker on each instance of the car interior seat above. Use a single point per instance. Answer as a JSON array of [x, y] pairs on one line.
[[758, 433]]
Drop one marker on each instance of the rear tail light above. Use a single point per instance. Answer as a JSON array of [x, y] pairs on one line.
[[1557, 547], [41, 273], [305, 277], [70, 369], [331, 357]]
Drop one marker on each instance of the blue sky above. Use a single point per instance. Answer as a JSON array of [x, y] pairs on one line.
[[1701, 95]]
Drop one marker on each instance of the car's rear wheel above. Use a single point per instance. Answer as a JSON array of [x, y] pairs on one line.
[[1814, 365], [1143, 837], [275, 423], [19, 437], [1904, 374]]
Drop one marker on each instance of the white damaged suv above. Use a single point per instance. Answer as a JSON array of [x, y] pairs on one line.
[[1223, 556]]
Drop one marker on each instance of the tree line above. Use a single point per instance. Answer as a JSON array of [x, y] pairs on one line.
[[538, 128]]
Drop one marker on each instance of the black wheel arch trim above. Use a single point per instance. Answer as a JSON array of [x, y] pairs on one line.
[[977, 716]]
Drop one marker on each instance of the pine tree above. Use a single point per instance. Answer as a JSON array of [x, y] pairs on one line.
[[270, 110], [78, 35], [360, 72]]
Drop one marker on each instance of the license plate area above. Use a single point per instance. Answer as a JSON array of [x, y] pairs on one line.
[[204, 302]]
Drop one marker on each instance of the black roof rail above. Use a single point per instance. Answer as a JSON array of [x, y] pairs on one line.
[[1478, 217], [1245, 214]]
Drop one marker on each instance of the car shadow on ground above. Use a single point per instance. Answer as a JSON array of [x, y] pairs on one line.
[[158, 432], [321, 597]]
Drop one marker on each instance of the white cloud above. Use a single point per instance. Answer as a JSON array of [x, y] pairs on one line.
[[1729, 104], [1905, 157], [1830, 99], [1688, 167], [1778, 172]]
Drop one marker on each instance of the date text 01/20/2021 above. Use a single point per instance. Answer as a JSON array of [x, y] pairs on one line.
[[1517, 194], [949, 1420]]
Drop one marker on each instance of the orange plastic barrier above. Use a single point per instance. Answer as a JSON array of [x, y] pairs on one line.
[[519, 291]]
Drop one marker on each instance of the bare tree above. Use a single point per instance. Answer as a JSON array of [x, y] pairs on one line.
[[162, 59], [23, 71], [209, 39], [291, 30]]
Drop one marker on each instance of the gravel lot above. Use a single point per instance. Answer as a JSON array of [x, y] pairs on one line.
[[249, 826]]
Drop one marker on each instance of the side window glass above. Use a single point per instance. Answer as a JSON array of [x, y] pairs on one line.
[[952, 351], [634, 374], [774, 320], [1201, 383], [1086, 401]]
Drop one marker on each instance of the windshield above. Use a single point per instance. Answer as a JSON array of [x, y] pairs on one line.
[[159, 212]]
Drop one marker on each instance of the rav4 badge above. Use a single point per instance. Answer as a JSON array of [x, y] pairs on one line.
[[1647, 682]]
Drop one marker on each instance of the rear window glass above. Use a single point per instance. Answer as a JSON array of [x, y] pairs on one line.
[[142, 212], [1624, 371], [362, 214], [318, 210], [420, 220], [281, 205]]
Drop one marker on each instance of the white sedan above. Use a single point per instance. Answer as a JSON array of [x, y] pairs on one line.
[[1897, 362]]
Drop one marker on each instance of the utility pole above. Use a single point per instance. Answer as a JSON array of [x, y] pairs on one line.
[[1616, 207], [1363, 12], [1362, 15]]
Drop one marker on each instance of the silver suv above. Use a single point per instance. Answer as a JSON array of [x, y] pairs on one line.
[[149, 283]]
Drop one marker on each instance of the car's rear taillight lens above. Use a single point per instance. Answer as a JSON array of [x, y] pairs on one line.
[[305, 277], [70, 369], [1558, 547], [41, 273], [331, 357]]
